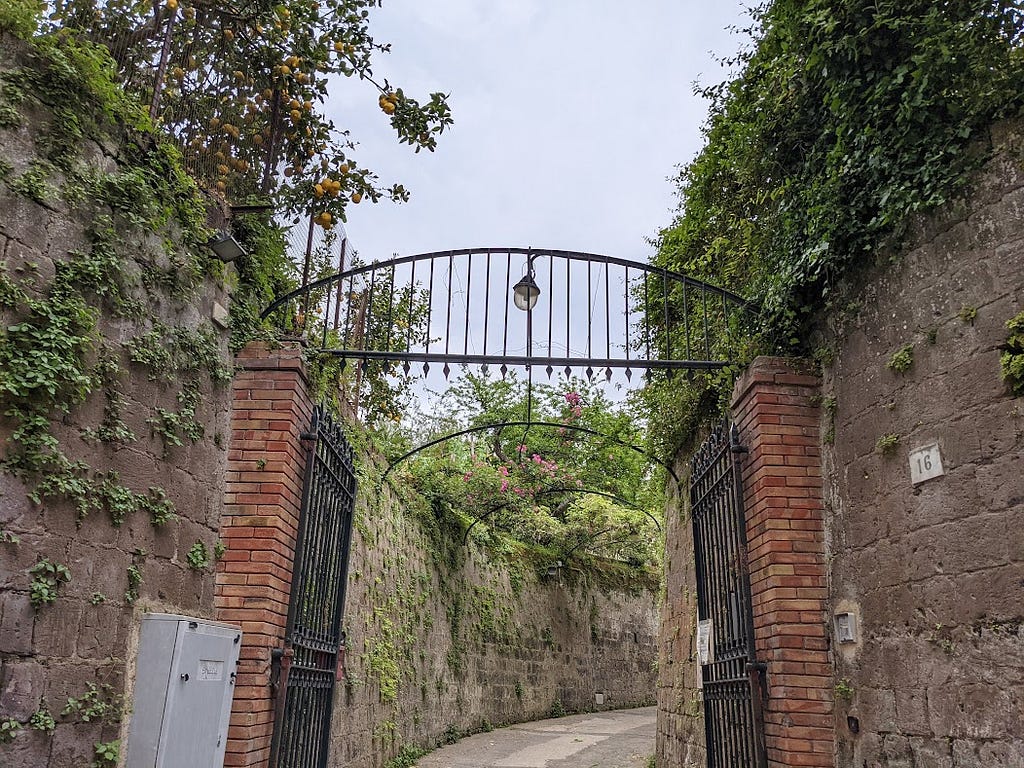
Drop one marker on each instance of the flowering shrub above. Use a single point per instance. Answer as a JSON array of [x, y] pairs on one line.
[[558, 485]]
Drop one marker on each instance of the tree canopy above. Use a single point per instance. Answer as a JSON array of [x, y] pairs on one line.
[[244, 89]]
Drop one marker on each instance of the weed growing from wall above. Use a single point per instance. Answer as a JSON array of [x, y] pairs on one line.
[[1012, 359], [902, 359], [47, 579]]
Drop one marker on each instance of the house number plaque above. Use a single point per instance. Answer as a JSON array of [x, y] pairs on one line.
[[925, 463]]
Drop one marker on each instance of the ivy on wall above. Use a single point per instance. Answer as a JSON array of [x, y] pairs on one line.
[[53, 356], [845, 119], [142, 247]]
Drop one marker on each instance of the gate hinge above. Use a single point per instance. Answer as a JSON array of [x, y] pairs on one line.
[[734, 441], [757, 666]]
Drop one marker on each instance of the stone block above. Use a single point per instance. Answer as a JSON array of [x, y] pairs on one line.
[[24, 220], [22, 686], [29, 748], [16, 619], [100, 629], [72, 744], [912, 711], [931, 753], [15, 506], [55, 629]]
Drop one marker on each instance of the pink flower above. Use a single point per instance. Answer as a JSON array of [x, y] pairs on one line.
[[573, 398], [577, 411], [504, 485]]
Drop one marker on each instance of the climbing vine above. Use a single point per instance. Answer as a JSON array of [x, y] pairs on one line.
[[845, 119], [142, 226]]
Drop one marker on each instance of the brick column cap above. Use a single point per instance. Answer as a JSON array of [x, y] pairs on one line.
[[786, 371], [288, 356]]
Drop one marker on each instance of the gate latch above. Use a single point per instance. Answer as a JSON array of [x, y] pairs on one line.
[[758, 671], [280, 664]]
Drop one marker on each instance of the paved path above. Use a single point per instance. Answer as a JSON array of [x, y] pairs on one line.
[[620, 739]]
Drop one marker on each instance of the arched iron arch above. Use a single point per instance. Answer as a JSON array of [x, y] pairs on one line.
[[651, 458], [454, 307]]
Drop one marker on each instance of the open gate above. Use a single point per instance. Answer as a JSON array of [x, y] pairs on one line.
[[733, 683], [306, 669]]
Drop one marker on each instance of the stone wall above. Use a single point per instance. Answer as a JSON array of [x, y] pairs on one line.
[[52, 652], [444, 639], [680, 738], [934, 571], [931, 572]]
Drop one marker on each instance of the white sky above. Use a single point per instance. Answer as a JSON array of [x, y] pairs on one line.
[[570, 115]]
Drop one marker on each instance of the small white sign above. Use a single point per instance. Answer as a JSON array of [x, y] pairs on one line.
[[211, 670], [705, 629], [925, 463]]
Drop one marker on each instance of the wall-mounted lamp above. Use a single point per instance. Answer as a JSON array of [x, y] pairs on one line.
[[225, 247], [526, 291]]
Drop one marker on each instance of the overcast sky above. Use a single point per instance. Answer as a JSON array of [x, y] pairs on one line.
[[570, 115]]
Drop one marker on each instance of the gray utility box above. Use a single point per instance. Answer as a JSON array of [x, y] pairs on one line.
[[184, 682]]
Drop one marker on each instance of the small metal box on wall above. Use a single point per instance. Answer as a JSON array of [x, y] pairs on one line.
[[184, 683]]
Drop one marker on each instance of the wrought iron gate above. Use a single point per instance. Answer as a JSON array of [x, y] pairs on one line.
[[309, 664], [732, 678]]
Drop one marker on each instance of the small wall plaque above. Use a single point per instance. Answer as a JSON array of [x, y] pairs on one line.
[[925, 463], [704, 630], [846, 627]]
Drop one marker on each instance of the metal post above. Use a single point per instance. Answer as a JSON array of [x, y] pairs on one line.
[[305, 269], [161, 70], [271, 144], [337, 298]]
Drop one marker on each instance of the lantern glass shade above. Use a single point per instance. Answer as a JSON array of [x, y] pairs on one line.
[[525, 293]]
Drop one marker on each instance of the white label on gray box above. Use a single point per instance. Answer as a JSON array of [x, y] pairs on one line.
[[211, 670], [925, 463]]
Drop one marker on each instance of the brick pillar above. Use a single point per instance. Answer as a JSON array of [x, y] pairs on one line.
[[266, 462], [776, 408]]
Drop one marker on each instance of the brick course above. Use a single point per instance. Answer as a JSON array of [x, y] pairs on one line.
[[263, 498], [775, 409]]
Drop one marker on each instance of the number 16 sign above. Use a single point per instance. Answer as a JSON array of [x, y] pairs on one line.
[[925, 463]]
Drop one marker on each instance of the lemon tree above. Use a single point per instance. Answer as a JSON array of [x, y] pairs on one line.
[[244, 87]]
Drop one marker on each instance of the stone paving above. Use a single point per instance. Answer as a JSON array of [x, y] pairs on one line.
[[619, 739]]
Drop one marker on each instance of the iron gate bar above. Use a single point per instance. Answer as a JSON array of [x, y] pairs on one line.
[[523, 360], [313, 634], [570, 255], [732, 683]]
